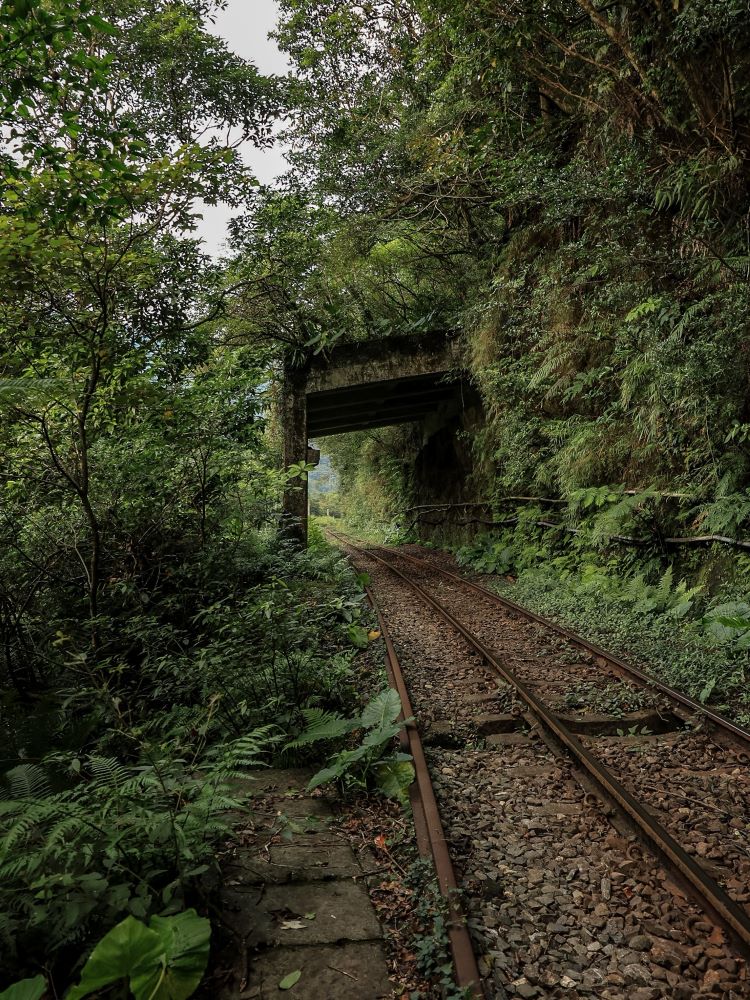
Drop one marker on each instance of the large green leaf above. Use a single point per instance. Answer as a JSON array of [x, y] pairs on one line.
[[164, 961], [128, 946], [394, 778], [384, 708], [185, 941], [381, 736], [325, 775], [27, 989]]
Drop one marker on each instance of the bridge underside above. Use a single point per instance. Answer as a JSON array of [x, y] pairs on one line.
[[356, 387], [377, 404]]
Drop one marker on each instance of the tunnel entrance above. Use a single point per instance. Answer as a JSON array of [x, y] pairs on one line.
[[362, 387]]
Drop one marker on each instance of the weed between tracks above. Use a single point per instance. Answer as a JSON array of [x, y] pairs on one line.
[[609, 699]]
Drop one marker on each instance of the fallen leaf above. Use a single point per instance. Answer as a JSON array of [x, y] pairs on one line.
[[291, 980], [309, 916], [380, 841], [716, 937], [293, 925]]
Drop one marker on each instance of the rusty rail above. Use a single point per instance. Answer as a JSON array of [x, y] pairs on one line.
[[602, 656], [711, 896], [428, 826]]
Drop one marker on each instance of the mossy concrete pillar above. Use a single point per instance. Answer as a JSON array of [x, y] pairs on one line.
[[294, 406]]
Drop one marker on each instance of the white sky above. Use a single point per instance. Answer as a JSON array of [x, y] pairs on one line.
[[245, 25]]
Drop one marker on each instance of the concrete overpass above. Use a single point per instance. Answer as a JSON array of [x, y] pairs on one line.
[[361, 386]]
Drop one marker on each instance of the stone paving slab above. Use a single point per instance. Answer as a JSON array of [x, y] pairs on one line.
[[354, 971], [300, 809], [294, 862], [274, 780], [294, 899], [276, 914]]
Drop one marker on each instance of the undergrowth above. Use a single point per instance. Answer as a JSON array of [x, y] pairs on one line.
[[117, 809], [665, 616], [430, 940]]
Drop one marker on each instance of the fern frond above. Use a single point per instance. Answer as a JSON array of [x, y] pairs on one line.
[[322, 725], [664, 588], [27, 781], [107, 771]]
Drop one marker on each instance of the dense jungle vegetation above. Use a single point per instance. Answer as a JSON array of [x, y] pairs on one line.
[[156, 633], [564, 187], [561, 186]]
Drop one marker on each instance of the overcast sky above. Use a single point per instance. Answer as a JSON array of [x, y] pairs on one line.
[[245, 25]]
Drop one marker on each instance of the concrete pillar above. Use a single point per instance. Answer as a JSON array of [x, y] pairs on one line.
[[294, 409]]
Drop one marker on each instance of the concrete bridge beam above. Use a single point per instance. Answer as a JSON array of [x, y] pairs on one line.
[[356, 387]]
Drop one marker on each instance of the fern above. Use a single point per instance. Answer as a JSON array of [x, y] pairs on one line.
[[620, 518], [321, 725], [27, 781], [124, 836], [362, 765], [663, 591], [107, 771]]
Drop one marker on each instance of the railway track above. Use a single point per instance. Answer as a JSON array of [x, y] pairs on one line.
[[673, 775]]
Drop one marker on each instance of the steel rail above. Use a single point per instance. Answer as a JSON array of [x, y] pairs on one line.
[[428, 825], [709, 893], [576, 640]]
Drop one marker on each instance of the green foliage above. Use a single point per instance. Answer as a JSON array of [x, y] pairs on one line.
[[566, 193], [369, 763], [290, 980], [664, 628], [151, 625], [122, 837], [609, 699], [162, 961], [729, 624], [358, 636], [87, 837], [431, 943], [27, 989], [662, 597]]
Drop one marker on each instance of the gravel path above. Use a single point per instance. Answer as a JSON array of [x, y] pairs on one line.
[[707, 810], [562, 902]]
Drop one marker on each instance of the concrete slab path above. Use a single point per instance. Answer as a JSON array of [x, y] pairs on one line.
[[296, 901]]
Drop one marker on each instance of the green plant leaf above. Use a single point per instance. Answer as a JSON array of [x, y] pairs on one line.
[[26, 989], [382, 735], [323, 776], [707, 689], [358, 636], [291, 980], [164, 961], [394, 777], [185, 940], [384, 708], [321, 725], [128, 946]]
